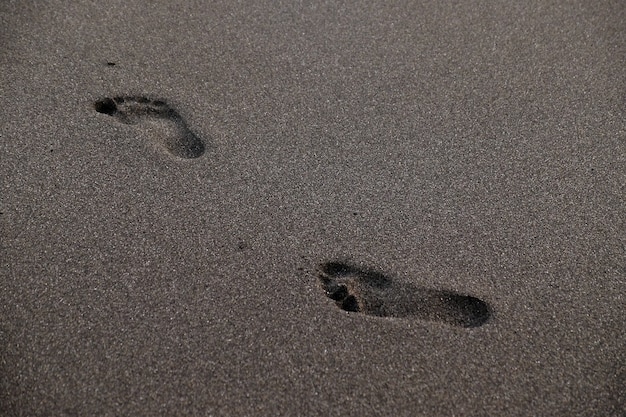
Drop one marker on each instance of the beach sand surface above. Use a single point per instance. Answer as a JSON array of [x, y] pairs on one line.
[[312, 208]]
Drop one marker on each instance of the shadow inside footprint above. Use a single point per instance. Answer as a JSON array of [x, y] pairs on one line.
[[175, 136], [370, 292]]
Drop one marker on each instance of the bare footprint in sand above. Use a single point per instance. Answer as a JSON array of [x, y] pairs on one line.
[[370, 292], [157, 116]]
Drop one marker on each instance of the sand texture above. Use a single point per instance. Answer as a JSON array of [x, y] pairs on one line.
[[324, 208]]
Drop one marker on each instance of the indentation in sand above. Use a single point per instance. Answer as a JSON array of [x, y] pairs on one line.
[[370, 292], [172, 131]]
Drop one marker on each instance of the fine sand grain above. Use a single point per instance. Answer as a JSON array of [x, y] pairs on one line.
[[312, 208]]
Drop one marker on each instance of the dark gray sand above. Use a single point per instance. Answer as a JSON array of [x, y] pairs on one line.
[[312, 208]]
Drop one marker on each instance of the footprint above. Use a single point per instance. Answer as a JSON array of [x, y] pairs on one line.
[[370, 292], [169, 127]]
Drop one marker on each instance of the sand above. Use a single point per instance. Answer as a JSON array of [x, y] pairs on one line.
[[312, 208]]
